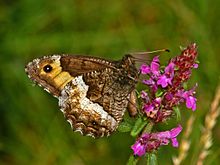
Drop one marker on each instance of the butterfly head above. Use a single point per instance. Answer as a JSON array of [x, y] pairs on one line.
[[128, 64]]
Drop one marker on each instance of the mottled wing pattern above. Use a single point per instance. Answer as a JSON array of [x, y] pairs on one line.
[[108, 89]]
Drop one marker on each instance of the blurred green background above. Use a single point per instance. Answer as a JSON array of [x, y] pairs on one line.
[[34, 131]]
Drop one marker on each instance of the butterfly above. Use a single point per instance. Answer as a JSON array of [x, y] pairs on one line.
[[93, 93]]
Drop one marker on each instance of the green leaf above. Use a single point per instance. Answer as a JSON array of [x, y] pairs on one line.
[[124, 127], [185, 85], [182, 48], [197, 61], [159, 93], [151, 159], [148, 127], [178, 114], [132, 160], [138, 127]]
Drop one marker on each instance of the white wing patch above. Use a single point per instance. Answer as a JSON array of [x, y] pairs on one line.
[[77, 85]]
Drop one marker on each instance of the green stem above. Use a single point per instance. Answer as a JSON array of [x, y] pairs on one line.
[[132, 160], [148, 127], [151, 159]]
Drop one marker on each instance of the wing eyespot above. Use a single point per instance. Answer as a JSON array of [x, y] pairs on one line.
[[47, 68]]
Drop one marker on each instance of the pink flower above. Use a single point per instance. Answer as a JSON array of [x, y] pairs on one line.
[[191, 102], [190, 99], [168, 84], [166, 79], [139, 149], [152, 108], [152, 141], [153, 68], [149, 108]]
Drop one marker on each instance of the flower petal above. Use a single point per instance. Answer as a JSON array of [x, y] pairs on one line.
[[144, 96], [169, 70], [163, 81], [149, 108], [155, 65], [145, 69], [138, 149], [175, 131], [149, 82], [195, 65], [174, 142], [191, 103]]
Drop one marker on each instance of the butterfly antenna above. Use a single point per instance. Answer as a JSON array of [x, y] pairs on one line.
[[150, 52], [138, 56]]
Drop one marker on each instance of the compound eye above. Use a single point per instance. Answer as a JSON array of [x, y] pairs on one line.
[[47, 68]]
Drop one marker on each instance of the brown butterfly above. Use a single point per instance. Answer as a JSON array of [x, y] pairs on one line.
[[93, 93]]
